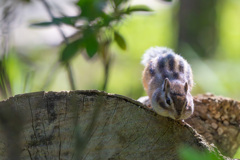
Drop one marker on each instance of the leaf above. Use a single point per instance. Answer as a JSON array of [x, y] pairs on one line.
[[91, 9], [107, 19], [188, 153], [42, 24], [67, 20], [120, 40], [138, 8], [91, 46], [70, 50]]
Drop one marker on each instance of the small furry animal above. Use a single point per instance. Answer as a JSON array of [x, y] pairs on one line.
[[168, 80]]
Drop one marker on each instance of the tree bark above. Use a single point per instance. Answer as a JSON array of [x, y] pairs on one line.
[[89, 125], [218, 119]]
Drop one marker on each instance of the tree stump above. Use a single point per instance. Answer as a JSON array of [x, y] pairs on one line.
[[89, 125]]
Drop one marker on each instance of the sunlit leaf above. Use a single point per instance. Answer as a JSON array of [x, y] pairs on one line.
[[70, 50], [120, 40], [138, 8], [187, 153]]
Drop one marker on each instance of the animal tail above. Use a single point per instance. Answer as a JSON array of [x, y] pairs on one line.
[[154, 52]]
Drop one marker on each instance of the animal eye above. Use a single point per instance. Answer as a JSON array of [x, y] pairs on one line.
[[168, 101]]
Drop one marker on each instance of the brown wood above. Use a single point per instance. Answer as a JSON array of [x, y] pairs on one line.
[[218, 120], [89, 125]]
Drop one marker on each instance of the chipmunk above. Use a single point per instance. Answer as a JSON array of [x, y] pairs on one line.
[[168, 80]]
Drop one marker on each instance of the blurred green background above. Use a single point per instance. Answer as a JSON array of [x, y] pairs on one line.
[[206, 33]]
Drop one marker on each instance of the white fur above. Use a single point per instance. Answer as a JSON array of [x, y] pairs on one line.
[[154, 52]]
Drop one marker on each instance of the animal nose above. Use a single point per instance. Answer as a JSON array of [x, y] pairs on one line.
[[178, 112], [177, 117]]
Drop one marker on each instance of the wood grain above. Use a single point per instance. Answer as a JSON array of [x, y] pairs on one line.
[[89, 125]]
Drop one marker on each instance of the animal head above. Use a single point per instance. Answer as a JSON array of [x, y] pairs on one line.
[[173, 100]]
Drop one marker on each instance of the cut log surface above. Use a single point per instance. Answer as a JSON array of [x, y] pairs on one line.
[[89, 125]]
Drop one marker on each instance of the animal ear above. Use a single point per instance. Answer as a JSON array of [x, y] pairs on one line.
[[166, 86], [186, 87]]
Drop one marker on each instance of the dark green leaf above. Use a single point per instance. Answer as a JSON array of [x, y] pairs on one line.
[[91, 46], [66, 20], [107, 19], [120, 40], [70, 50], [91, 9], [42, 24], [138, 8]]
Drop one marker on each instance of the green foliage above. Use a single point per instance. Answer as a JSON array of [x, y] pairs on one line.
[[229, 30], [237, 155], [16, 74], [91, 9], [137, 8], [187, 153], [70, 50], [139, 33], [97, 30], [91, 45], [120, 40], [5, 87], [71, 20], [96, 23], [42, 24]]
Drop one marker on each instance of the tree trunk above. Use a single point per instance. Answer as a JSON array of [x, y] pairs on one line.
[[197, 26], [89, 125]]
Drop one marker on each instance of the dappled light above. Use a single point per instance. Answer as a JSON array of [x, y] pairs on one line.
[[98, 44], [139, 31]]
